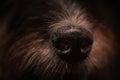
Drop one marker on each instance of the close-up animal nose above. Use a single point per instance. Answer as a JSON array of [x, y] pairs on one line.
[[72, 44]]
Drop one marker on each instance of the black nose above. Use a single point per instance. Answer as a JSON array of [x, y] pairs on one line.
[[72, 44]]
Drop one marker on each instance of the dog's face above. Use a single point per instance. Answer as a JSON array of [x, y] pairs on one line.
[[57, 40]]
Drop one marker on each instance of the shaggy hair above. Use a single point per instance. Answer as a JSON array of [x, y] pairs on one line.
[[26, 51]]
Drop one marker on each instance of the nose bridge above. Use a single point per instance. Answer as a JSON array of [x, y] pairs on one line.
[[73, 32], [64, 31]]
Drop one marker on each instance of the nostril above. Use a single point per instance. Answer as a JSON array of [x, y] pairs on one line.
[[86, 45], [62, 45]]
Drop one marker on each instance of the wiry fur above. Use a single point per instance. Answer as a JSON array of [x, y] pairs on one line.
[[27, 53]]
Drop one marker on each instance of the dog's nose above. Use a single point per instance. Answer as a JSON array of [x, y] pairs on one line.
[[72, 44]]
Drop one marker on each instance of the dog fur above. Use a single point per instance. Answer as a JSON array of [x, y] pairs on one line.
[[25, 50]]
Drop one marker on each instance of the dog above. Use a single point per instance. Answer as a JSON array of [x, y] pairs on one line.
[[55, 40]]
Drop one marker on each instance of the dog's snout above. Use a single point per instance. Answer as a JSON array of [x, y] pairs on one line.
[[72, 44]]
